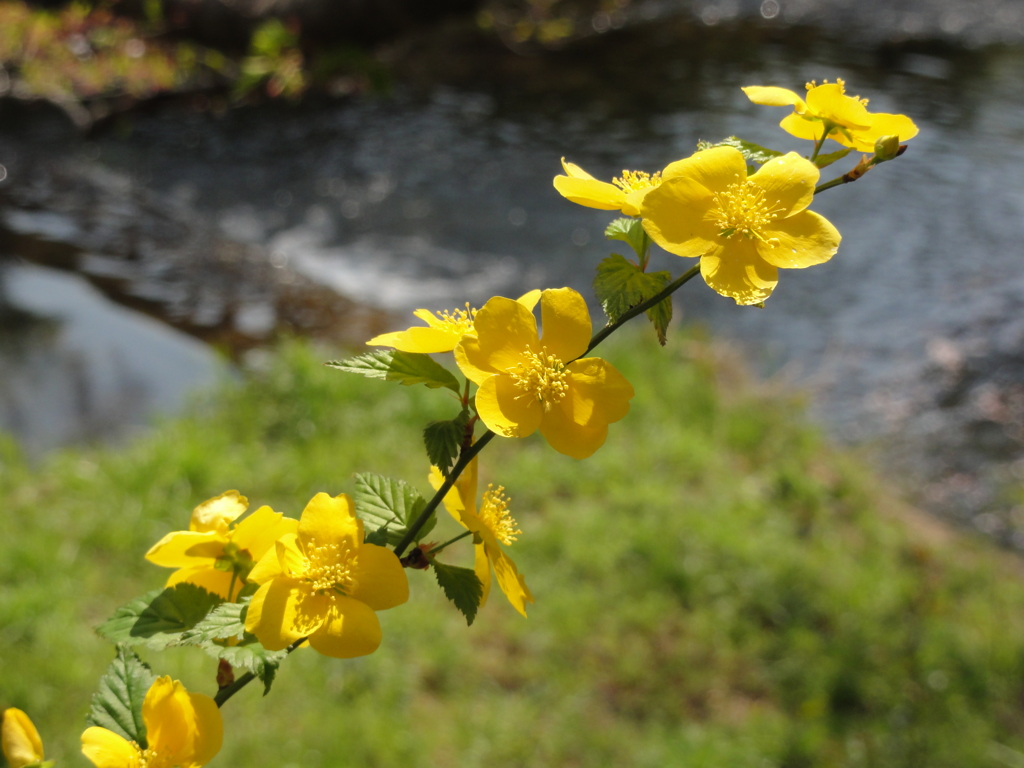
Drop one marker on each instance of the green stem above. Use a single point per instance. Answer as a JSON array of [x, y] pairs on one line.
[[820, 142], [439, 547], [834, 183], [466, 456], [665, 292], [228, 691]]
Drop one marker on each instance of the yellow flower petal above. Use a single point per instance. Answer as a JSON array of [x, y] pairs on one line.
[[217, 513], [169, 718], [207, 577], [804, 127], [379, 578], [788, 183], [568, 437], [673, 215], [473, 363], [804, 240], [509, 579], [330, 520], [186, 549], [598, 393], [501, 408], [590, 192], [285, 558], [566, 323], [714, 169], [571, 169], [209, 728], [482, 569], [350, 629], [881, 125], [106, 749], [530, 299], [829, 102], [20, 739], [257, 533], [770, 96], [737, 271], [282, 611], [422, 340], [504, 328]]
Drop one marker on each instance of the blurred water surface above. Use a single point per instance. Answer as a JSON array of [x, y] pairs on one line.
[[912, 336]]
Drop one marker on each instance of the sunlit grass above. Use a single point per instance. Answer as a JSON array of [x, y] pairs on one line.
[[715, 587]]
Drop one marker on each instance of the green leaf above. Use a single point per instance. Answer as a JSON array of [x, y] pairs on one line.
[[630, 231], [406, 368], [250, 656], [620, 285], [385, 502], [225, 621], [157, 619], [660, 316], [754, 154], [443, 440], [117, 703], [378, 537], [824, 160], [461, 586]]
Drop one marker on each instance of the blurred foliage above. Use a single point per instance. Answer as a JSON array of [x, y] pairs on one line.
[[715, 587], [552, 23], [274, 59]]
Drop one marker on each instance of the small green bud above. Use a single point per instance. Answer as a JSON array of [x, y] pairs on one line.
[[886, 148]]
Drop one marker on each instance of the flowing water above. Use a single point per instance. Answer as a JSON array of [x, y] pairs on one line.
[[327, 216]]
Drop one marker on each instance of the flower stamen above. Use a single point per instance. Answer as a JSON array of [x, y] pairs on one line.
[[632, 181], [494, 513], [459, 320], [742, 209], [330, 568], [541, 376]]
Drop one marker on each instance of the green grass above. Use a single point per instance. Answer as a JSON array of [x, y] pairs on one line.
[[715, 587]]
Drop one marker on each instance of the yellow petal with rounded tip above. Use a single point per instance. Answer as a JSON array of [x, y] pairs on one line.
[[20, 739], [804, 128], [330, 520], [804, 239], [106, 749], [209, 728], [771, 96], [504, 329], [258, 532], [209, 578], [350, 629], [285, 558], [503, 411], [590, 192], [422, 340], [565, 322], [830, 103], [283, 611], [217, 513], [881, 125], [473, 363], [169, 718], [737, 271], [598, 393], [510, 581], [674, 217], [569, 438], [186, 549], [714, 169], [571, 169], [788, 183], [380, 579], [530, 299]]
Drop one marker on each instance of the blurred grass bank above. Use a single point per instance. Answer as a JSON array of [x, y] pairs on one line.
[[715, 587]]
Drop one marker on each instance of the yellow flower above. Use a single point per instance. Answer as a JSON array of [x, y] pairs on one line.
[[183, 730], [625, 193], [325, 583], [444, 329], [214, 555], [827, 104], [492, 526], [20, 740], [526, 383], [743, 229]]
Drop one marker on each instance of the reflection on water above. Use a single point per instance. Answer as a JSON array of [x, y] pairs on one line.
[[910, 336]]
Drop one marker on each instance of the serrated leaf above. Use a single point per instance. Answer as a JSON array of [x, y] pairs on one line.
[[406, 368], [461, 586], [386, 502], [825, 160], [250, 656], [117, 703], [660, 316], [621, 285], [443, 440], [225, 621], [754, 154], [630, 231], [157, 619]]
